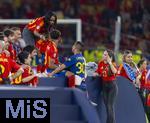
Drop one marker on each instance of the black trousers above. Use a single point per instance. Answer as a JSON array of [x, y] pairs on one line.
[[143, 94], [109, 93]]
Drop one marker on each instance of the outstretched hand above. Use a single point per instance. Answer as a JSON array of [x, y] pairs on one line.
[[50, 75]]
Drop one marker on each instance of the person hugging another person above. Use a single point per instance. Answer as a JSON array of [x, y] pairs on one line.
[[51, 53], [75, 66], [39, 27]]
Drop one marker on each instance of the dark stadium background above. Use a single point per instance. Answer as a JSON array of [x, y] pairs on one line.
[[98, 20]]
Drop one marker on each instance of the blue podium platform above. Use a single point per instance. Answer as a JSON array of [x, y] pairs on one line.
[[53, 82], [72, 105], [129, 108], [64, 107]]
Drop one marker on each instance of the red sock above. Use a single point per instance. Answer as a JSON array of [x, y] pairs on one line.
[[71, 81]]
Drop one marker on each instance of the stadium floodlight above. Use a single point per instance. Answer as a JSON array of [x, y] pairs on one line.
[[60, 21]]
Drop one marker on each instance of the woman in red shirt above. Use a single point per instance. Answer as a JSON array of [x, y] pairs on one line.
[[142, 65], [107, 70]]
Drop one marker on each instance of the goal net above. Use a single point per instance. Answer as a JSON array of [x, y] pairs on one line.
[[71, 29]]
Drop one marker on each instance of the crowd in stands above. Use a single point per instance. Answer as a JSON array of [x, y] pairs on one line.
[[98, 17]]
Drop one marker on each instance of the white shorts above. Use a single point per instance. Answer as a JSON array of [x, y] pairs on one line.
[[78, 80]]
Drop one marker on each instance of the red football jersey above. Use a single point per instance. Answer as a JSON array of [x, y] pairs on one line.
[[105, 72], [143, 79], [7, 65], [41, 45], [122, 72], [12, 52], [36, 25], [27, 72], [51, 53]]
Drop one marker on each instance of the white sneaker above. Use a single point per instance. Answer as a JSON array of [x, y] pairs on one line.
[[93, 103]]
